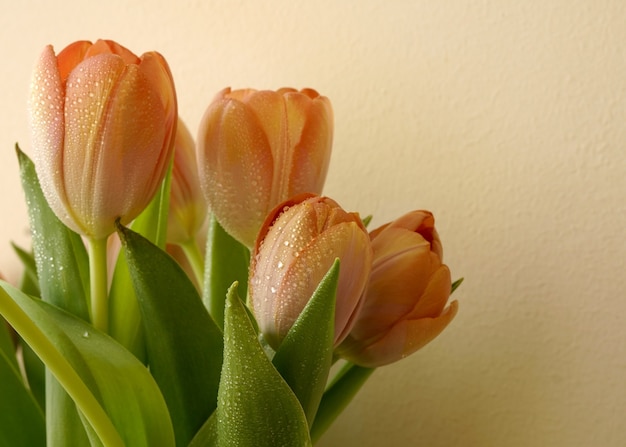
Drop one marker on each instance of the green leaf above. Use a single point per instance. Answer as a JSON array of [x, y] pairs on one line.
[[60, 255], [7, 348], [30, 281], [184, 345], [63, 422], [22, 421], [366, 220], [256, 406], [113, 391], [207, 435], [63, 272], [227, 261], [124, 315], [456, 284], [305, 356]]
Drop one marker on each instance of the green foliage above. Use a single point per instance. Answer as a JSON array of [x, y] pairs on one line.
[[114, 392], [256, 406], [184, 345], [226, 262], [21, 418]]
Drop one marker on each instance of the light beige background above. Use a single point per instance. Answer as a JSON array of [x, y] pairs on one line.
[[507, 119]]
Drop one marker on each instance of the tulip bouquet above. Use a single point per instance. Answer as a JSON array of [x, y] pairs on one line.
[[196, 295]]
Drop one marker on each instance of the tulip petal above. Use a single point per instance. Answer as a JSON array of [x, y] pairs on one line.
[[188, 209], [395, 285], [236, 162], [103, 90], [71, 56], [345, 241], [405, 338], [47, 127], [111, 47], [271, 114], [135, 118], [394, 241], [154, 67], [87, 90], [434, 298], [312, 145]]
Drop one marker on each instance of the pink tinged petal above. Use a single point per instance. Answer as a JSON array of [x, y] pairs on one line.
[[135, 146], [292, 230], [111, 110], [345, 241], [312, 149], [111, 47], [46, 104], [405, 338], [268, 107], [236, 168], [71, 56], [156, 75], [88, 89], [296, 246]]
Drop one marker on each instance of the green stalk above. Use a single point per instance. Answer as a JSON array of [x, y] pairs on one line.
[[62, 370], [98, 278], [339, 394], [226, 261]]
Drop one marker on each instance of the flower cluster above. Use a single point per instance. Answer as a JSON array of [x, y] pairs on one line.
[[110, 151]]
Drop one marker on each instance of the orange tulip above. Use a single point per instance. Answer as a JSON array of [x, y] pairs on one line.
[[259, 148], [188, 208], [103, 123], [296, 247], [404, 307]]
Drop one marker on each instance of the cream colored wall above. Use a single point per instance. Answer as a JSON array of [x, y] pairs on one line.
[[506, 118]]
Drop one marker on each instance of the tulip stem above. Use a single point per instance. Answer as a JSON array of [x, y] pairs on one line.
[[338, 395], [195, 258], [98, 279]]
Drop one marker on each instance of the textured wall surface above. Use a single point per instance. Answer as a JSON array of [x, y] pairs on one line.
[[506, 119]]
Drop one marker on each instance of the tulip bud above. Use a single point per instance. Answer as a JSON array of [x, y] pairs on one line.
[[404, 306], [297, 245], [258, 149], [102, 123], [188, 208]]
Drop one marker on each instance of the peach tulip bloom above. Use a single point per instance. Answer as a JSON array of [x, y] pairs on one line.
[[259, 148], [102, 123], [405, 304], [188, 209], [296, 247]]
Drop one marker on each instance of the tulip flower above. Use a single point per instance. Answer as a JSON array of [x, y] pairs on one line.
[[103, 123], [405, 304], [188, 208], [259, 148], [298, 243]]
